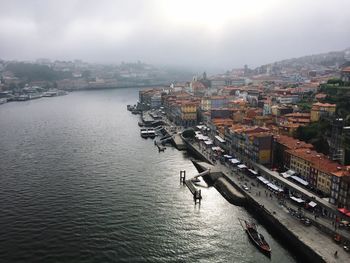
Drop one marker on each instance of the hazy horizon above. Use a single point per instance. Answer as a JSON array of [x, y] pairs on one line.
[[196, 35]]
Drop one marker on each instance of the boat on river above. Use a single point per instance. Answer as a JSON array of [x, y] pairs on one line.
[[147, 133], [257, 238]]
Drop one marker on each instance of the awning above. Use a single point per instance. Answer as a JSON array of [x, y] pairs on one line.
[[202, 137], [263, 180], [241, 166], [209, 142], [343, 210], [219, 139], [235, 161], [312, 204], [299, 180], [217, 148], [287, 174], [252, 171], [274, 187], [298, 200]]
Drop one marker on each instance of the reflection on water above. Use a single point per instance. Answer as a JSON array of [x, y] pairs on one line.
[[78, 184]]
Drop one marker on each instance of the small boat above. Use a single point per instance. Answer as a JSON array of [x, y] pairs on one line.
[[135, 111], [257, 238]]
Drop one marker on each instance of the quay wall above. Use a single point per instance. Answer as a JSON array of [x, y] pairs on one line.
[[194, 151], [229, 191], [279, 230]]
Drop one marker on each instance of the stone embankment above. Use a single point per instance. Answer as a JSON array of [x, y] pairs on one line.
[[308, 248]]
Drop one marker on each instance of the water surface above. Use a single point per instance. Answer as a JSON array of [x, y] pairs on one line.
[[79, 184]]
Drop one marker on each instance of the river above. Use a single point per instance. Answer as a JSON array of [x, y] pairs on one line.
[[79, 184]]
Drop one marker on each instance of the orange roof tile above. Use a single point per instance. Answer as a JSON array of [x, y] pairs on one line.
[[292, 143], [317, 160]]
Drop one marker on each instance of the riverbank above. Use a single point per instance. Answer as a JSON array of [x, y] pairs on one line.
[[315, 246]]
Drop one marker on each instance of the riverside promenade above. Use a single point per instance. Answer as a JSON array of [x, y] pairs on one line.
[[310, 236]]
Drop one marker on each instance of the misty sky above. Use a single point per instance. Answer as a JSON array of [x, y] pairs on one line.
[[191, 33]]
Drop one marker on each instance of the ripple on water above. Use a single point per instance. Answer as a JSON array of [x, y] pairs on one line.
[[78, 184]]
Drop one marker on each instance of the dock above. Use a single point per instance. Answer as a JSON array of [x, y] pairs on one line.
[[160, 147], [191, 186], [197, 194], [179, 143]]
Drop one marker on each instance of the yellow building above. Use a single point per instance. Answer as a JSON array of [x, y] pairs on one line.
[[188, 113], [321, 109], [299, 164], [324, 181], [314, 167], [205, 103]]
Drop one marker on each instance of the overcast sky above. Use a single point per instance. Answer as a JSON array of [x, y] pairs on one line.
[[193, 33]]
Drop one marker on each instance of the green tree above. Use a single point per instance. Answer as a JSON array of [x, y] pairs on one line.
[[188, 133]]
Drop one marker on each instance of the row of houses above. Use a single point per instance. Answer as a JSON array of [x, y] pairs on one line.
[[244, 130], [317, 170]]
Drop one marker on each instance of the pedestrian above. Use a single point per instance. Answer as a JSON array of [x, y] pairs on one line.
[[336, 253]]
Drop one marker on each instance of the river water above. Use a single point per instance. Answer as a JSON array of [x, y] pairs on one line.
[[79, 184]]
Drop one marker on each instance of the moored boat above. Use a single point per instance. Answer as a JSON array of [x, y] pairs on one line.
[[257, 238], [147, 133]]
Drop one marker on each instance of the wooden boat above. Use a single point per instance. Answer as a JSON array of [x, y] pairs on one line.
[[257, 238]]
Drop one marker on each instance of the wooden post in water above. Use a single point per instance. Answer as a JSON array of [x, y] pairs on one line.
[[197, 196], [182, 176]]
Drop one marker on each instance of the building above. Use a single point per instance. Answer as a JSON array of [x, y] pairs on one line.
[[151, 97], [282, 143], [221, 113], [340, 189], [319, 110], [288, 99], [184, 112], [345, 74], [315, 168], [198, 88], [336, 149], [205, 104], [253, 143], [219, 101]]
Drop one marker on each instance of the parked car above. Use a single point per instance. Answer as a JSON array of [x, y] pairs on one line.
[[245, 187], [306, 221]]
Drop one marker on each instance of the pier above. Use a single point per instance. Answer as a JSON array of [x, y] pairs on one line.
[[197, 193], [160, 147]]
